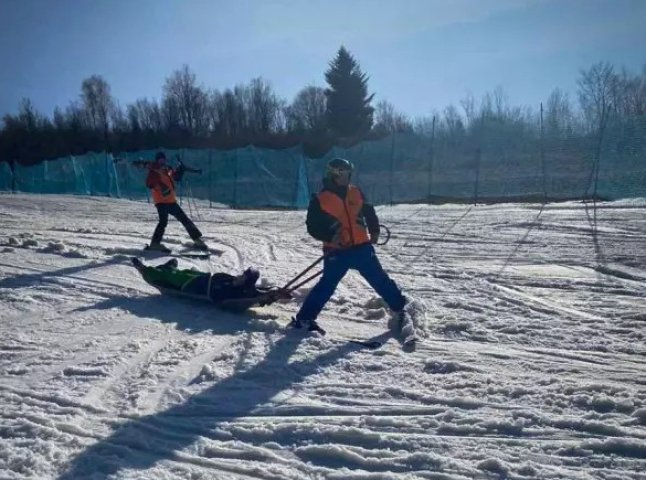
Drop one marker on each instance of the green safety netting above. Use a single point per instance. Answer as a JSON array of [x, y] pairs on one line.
[[496, 164]]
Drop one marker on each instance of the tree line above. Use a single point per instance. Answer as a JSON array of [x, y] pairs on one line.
[[190, 115]]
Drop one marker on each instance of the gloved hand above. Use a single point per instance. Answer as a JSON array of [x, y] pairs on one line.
[[374, 238], [165, 191]]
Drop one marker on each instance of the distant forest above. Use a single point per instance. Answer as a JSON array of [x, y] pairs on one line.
[[344, 112]]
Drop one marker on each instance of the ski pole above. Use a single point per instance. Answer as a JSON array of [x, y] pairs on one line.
[[197, 212], [190, 209]]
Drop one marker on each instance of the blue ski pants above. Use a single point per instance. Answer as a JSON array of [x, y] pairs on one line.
[[364, 260]]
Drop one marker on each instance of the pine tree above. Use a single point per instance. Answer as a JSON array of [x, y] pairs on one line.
[[348, 109]]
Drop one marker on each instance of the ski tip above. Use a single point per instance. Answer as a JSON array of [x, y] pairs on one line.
[[137, 262], [370, 345], [320, 332], [156, 250], [191, 254], [409, 345]]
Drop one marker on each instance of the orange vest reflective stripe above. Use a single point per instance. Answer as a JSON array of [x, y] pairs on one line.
[[348, 214], [164, 176]]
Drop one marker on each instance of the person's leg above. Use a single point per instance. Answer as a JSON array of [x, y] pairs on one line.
[[223, 287], [170, 278], [198, 284], [177, 212], [162, 211], [334, 268], [368, 265]]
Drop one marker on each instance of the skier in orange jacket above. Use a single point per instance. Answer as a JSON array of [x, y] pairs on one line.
[[161, 180]]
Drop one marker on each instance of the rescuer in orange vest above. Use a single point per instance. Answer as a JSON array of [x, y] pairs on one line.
[[340, 217], [161, 180]]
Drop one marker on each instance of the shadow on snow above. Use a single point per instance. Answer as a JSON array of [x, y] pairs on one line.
[[140, 443]]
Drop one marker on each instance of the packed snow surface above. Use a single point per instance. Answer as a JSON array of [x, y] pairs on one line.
[[531, 361]]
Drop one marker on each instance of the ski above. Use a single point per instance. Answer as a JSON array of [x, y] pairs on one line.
[[315, 327], [409, 343], [295, 326], [189, 253], [370, 345]]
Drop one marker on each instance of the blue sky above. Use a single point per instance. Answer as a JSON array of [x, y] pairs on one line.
[[421, 55]]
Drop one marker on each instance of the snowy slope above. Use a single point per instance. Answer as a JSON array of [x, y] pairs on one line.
[[533, 362]]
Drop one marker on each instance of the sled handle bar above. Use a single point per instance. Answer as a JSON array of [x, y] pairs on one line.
[[303, 282], [384, 227], [316, 262]]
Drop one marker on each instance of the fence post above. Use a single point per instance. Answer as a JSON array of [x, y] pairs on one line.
[[297, 179], [602, 132], [430, 162], [210, 178], [12, 167], [392, 166], [478, 159], [126, 179], [235, 179], [542, 149], [106, 174], [180, 185]]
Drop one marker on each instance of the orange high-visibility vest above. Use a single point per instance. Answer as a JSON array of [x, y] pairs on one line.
[[159, 177], [348, 213]]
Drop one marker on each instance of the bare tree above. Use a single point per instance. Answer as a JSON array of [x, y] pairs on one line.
[[97, 103], [630, 94], [185, 103], [500, 103], [264, 108], [213, 111], [74, 116], [26, 120], [597, 94], [24, 133], [145, 115], [29, 117], [307, 111], [230, 112], [118, 119], [424, 126], [170, 114], [388, 120], [559, 117], [452, 122], [468, 104]]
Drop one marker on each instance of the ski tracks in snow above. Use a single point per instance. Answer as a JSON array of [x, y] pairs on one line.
[[534, 370]]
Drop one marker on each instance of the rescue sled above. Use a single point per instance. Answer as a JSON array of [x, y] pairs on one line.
[[253, 296]]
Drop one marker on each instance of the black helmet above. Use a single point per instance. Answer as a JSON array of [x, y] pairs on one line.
[[337, 166], [159, 155]]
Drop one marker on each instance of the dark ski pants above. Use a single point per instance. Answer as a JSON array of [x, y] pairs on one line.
[[165, 209], [362, 259]]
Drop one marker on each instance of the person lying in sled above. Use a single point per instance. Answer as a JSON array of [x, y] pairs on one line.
[[236, 292]]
